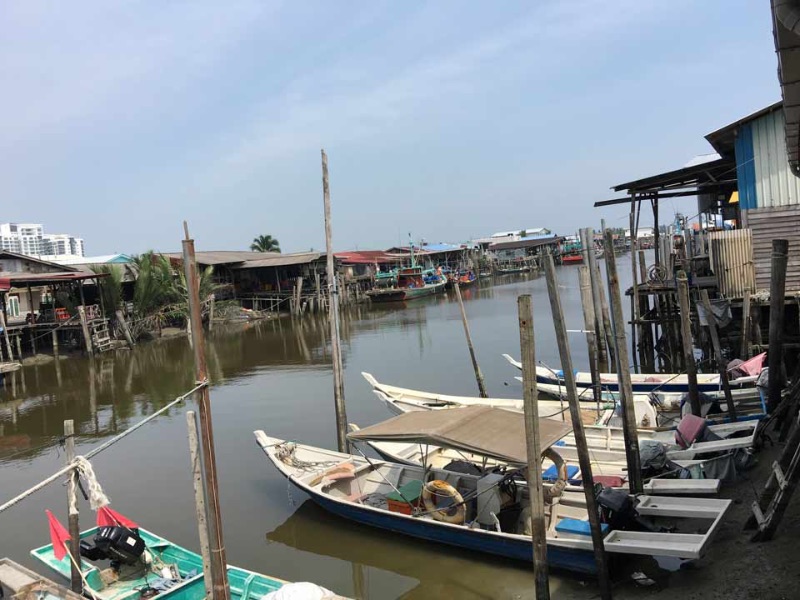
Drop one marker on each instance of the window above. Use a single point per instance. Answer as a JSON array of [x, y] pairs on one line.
[[12, 306]]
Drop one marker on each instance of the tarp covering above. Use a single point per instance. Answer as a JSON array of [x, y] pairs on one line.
[[491, 432]]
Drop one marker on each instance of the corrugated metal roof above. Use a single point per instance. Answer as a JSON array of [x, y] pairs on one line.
[[15, 255], [279, 260], [529, 243], [775, 184], [224, 257], [93, 260], [368, 257]]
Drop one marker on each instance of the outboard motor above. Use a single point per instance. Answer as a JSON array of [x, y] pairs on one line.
[[118, 544]]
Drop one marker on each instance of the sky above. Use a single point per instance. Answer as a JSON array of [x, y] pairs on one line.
[[446, 120]]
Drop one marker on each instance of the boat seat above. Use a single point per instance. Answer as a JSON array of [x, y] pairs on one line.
[[577, 527]]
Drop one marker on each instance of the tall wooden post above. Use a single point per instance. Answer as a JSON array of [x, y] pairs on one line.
[[333, 316], [646, 343], [76, 582], [535, 485], [199, 500], [607, 326], [591, 336], [777, 303], [219, 576], [744, 353], [4, 325], [722, 368], [686, 336], [577, 426], [623, 373], [635, 290], [87, 337], [212, 305], [599, 327], [123, 324], [475, 367]]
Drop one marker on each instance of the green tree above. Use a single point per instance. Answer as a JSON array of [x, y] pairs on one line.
[[265, 243], [155, 284], [110, 287]]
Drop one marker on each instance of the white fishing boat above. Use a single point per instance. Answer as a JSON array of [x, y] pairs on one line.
[[488, 513], [641, 382]]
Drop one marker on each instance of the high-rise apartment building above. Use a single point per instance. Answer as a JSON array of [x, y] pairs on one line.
[[30, 239]]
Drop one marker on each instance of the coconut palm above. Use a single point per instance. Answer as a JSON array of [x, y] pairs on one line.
[[110, 286], [265, 243]]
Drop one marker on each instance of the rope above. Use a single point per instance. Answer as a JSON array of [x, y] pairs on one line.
[[97, 498], [81, 461]]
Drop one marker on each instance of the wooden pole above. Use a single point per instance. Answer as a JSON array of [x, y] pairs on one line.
[[333, 316], [123, 324], [87, 337], [629, 431], [199, 501], [212, 302], [599, 327], [646, 343], [54, 337], [607, 326], [577, 425], [475, 367], [4, 325], [746, 326], [777, 294], [656, 232], [591, 336], [220, 587], [535, 485], [635, 296], [721, 366], [686, 337], [72, 502]]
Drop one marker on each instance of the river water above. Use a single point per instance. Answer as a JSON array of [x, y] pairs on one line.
[[275, 375]]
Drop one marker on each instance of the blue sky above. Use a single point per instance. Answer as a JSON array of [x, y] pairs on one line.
[[449, 119]]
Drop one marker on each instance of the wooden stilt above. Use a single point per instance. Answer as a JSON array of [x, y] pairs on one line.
[[686, 337], [87, 337], [777, 304], [600, 324], [581, 444], [623, 373], [535, 485], [4, 325], [744, 353], [591, 335], [607, 326]]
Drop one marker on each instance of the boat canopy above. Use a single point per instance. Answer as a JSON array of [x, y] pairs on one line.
[[491, 432]]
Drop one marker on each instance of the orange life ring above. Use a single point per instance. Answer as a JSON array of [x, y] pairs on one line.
[[455, 513]]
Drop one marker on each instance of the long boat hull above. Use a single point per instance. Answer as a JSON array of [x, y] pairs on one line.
[[405, 294], [641, 382]]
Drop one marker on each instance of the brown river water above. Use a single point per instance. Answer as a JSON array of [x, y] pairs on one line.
[[275, 375]]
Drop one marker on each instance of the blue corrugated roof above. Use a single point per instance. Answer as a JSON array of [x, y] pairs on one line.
[[441, 247]]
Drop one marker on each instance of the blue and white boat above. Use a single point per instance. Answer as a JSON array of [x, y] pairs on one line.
[[484, 513]]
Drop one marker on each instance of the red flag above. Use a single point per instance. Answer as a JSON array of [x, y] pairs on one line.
[[108, 517], [58, 536]]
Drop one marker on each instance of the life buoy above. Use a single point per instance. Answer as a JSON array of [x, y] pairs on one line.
[[560, 484], [455, 513]]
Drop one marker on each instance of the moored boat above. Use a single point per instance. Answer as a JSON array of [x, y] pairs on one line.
[[410, 285]]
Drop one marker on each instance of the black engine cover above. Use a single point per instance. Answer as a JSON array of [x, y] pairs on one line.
[[120, 543]]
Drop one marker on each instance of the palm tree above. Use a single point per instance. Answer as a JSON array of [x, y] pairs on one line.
[[265, 243]]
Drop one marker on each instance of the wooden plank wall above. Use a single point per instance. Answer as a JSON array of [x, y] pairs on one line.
[[731, 256], [767, 224]]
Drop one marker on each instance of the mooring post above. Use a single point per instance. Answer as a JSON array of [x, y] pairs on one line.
[[577, 425], [629, 431], [777, 304], [218, 567], [199, 501], [591, 336], [475, 367], [635, 339], [722, 367], [87, 337], [646, 345], [76, 582], [686, 337], [212, 301], [607, 326], [333, 316], [535, 485]]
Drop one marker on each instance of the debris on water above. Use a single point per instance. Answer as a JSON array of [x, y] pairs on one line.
[[642, 579]]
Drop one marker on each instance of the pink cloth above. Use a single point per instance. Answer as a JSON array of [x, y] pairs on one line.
[[753, 366]]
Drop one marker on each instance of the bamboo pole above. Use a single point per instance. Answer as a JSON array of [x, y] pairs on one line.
[[475, 367], [577, 426], [777, 304], [199, 500], [535, 485], [623, 373], [721, 366], [333, 316], [591, 337], [76, 583], [746, 326], [686, 336], [219, 585]]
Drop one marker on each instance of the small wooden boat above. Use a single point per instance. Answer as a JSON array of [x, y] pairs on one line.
[[642, 382], [410, 286], [571, 259], [402, 499], [485, 274], [182, 568], [511, 270], [20, 583], [465, 278]]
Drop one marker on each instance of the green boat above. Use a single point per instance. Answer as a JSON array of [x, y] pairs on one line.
[[410, 286], [166, 562]]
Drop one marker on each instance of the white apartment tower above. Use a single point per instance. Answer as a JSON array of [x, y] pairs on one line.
[[30, 239]]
